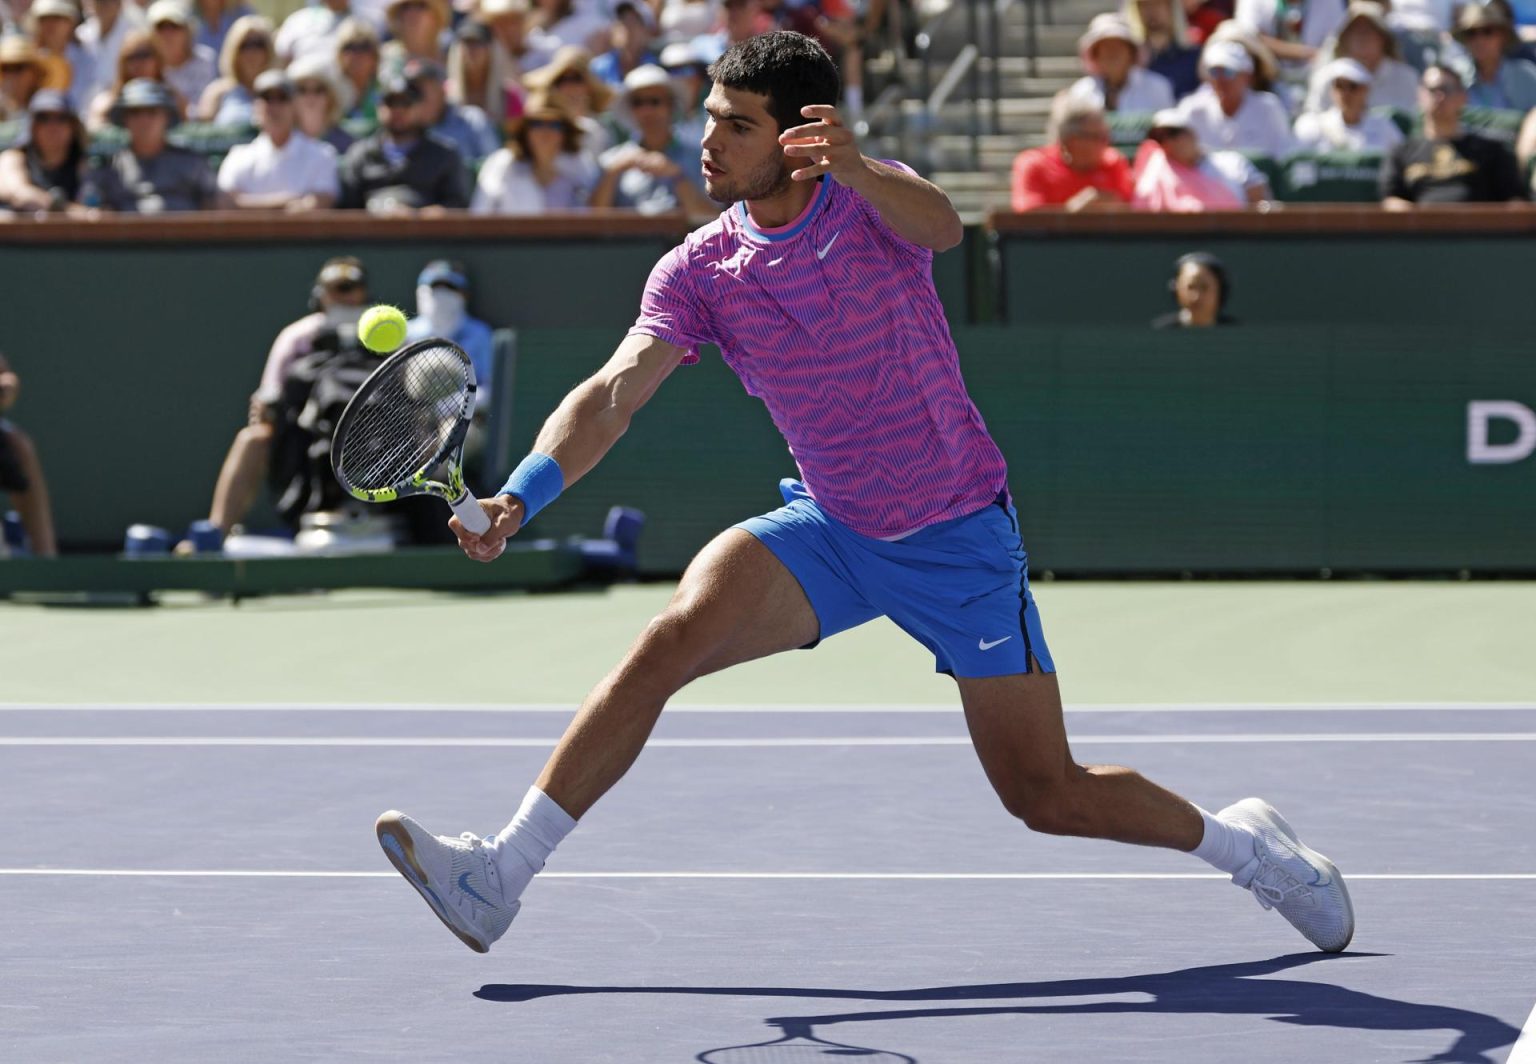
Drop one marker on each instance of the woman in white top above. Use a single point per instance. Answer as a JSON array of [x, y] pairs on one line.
[[1366, 38], [1115, 82], [1348, 125], [542, 168], [1228, 113]]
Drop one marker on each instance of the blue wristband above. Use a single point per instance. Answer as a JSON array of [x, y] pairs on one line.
[[537, 480]]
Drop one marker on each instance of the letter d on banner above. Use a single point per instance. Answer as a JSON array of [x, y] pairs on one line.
[[1480, 412]]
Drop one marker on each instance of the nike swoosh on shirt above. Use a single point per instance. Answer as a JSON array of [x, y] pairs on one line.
[[823, 252], [982, 644]]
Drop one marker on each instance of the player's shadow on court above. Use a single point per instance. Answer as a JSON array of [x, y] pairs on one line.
[[1221, 989]]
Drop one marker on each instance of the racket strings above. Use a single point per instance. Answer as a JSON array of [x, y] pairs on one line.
[[403, 424]]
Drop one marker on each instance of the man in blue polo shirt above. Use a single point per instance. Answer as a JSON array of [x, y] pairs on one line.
[[442, 298]]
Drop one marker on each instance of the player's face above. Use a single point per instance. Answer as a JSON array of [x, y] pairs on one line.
[[742, 156]]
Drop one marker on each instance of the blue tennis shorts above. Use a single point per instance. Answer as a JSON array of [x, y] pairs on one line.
[[959, 587]]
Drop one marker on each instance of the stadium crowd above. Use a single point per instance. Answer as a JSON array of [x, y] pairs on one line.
[[390, 106], [1190, 105]]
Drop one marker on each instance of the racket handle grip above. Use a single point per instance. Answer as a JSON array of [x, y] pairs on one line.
[[467, 508]]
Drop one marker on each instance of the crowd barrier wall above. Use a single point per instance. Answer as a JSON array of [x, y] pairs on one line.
[[1364, 434]]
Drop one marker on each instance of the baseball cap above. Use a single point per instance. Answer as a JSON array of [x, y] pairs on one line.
[[647, 16], [169, 11], [272, 81], [46, 8], [681, 54], [1226, 55], [1346, 70], [397, 85], [441, 271], [143, 93], [1168, 118], [646, 76], [470, 30], [50, 102], [416, 69], [343, 270]]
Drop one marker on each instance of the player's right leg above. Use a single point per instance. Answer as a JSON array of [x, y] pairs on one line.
[[736, 602]]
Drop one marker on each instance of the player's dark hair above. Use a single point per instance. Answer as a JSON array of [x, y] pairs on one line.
[[789, 68], [1218, 269]]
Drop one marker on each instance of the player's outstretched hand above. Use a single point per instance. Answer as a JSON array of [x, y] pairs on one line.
[[830, 145], [506, 514]]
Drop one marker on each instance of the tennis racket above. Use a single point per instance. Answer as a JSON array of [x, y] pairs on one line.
[[403, 431]]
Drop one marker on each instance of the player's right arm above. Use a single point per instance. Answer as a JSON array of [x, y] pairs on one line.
[[583, 427]]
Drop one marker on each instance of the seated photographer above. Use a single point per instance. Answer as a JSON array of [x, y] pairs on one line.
[[337, 300]]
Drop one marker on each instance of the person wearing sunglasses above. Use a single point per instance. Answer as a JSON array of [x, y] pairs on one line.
[[1447, 163], [357, 58], [44, 172], [1228, 113], [1368, 39], [283, 169], [337, 299], [140, 58], [21, 74], [189, 67], [248, 50], [1078, 170], [568, 79], [655, 172], [542, 168], [1500, 81], [1348, 125]]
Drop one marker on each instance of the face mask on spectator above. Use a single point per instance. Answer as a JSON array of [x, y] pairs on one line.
[[442, 307], [341, 315]]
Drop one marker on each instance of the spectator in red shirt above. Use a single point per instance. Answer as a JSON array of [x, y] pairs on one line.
[[1079, 170]]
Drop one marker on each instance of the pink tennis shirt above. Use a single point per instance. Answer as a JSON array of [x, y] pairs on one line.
[[833, 322]]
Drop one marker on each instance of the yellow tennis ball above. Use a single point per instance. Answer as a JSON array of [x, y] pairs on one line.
[[381, 328]]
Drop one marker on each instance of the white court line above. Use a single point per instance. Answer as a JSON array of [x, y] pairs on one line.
[[1524, 1051], [1402, 877], [767, 742], [765, 707]]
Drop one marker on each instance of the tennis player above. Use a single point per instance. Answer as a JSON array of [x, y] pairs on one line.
[[816, 283]]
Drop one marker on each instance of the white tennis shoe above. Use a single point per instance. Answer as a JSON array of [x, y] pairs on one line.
[[457, 877], [1299, 883]]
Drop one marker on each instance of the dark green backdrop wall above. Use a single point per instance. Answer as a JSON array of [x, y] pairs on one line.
[[1327, 431]]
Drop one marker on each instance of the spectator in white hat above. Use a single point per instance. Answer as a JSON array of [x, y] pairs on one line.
[[102, 34], [656, 172], [1348, 125], [319, 100], [1114, 79], [1366, 38], [282, 169], [1175, 173], [71, 70], [690, 79], [189, 67], [1228, 113]]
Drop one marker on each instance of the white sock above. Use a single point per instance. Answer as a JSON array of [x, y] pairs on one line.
[[1224, 846], [521, 848]]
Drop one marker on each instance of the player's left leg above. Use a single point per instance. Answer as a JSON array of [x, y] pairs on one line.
[[1016, 724]]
